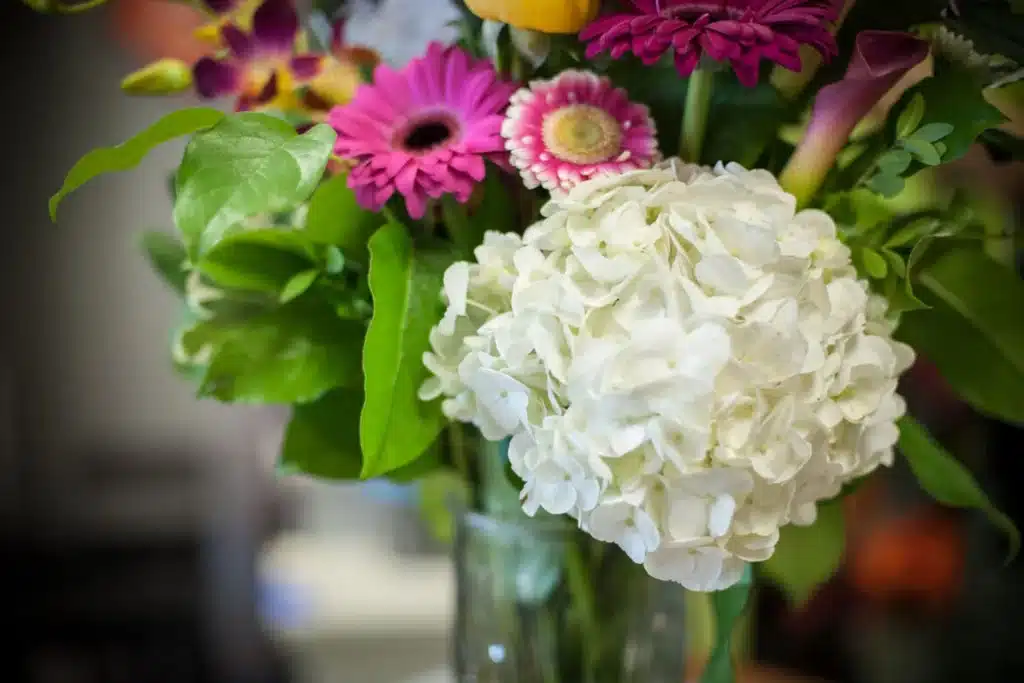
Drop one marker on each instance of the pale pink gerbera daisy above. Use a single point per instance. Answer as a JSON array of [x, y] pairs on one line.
[[575, 126], [424, 130]]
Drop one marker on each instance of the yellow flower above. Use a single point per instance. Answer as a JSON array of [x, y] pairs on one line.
[[548, 16]]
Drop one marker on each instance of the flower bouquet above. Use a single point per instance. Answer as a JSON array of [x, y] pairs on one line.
[[627, 287]]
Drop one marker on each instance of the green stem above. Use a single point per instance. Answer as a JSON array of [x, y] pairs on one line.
[[695, 115], [578, 578]]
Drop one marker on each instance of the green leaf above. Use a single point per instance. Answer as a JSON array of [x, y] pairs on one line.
[[986, 294], [954, 97], [728, 606], [247, 165], [298, 285], [976, 370], [894, 162], [808, 556], [293, 354], [912, 231], [874, 264], [262, 260], [406, 284], [896, 263], [497, 210], [910, 117], [336, 218], [334, 260], [129, 154], [948, 481], [745, 120], [925, 152], [661, 89], [933, 132], [167, 256], [322, 438], [886, 185], [440, 492]]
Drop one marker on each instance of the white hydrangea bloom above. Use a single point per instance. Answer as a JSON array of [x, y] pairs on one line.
[[685, 364]]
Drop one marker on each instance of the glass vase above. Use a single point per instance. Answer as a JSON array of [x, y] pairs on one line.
[[541, 602]]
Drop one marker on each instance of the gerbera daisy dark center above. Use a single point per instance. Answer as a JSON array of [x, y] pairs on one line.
[[423, 135]]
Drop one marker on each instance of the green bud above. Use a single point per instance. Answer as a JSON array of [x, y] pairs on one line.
[[163, 77], [62, 6]]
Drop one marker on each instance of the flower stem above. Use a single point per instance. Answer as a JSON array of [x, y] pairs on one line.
[[578, 578], [695, 115]]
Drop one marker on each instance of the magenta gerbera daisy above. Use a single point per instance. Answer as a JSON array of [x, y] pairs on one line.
[[425, 130], [575, 126], [739, 32]]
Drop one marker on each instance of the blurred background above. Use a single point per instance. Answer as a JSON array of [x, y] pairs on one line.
[[144, 536]]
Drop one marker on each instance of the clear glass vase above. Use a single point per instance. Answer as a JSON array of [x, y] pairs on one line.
[[541, 602]]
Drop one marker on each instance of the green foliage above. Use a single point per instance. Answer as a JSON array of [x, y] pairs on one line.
[[808, 556], [948, 481], [744, 121], [1003, 146], [973, 330], [986, 294], [939, 119], [129, 154], [322, 438], [728, 606], [335, 218], [59, 7], [660, 88], [167, 257], [247, 165], [262, 260], [405, 280], [290, 354], [298, 285], [440, 493]]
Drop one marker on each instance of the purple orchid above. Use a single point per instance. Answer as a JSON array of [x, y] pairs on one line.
[[260, 67]]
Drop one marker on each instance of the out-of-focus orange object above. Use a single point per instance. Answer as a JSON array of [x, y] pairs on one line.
[[154, 29], [919, 557]]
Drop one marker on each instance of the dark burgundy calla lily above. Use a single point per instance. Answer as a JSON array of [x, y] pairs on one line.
[[880, 60]]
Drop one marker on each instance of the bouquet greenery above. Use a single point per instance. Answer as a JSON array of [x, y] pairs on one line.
[[670, 258]]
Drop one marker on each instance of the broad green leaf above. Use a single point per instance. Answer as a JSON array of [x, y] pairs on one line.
[[807, 557], [661, 89], [947, 480], [129, 154], [497, 210], [247, 165], [336, 218], [293, 354], [896, 263], [167, 256], [986, 294], [262, 260], [728, 606], [334, 260], [978, 372], [299, 285], [405, 282], [322, 438], [439, 493]]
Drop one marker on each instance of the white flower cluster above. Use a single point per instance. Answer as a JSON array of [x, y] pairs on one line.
[[684, 364]]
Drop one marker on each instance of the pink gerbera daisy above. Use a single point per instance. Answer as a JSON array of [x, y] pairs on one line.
[[740, 32], [424, 130], [575, 126]]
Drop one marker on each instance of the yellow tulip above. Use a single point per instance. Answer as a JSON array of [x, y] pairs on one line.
[[547, 16]]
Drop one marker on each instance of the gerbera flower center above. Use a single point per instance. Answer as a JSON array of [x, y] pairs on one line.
[[582, 134], [427, 133]]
